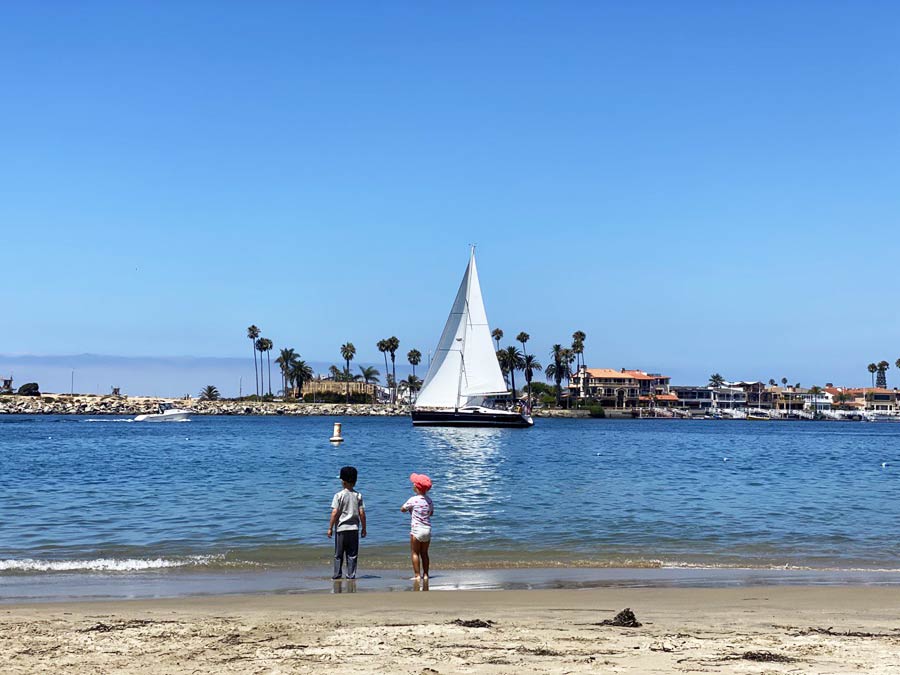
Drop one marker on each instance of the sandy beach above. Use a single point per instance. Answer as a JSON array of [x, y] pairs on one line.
[[734, 630]]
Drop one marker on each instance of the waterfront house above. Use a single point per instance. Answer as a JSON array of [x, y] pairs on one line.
[[758, 394], [6, 385], [621, 388], [877, 399], [706, 398]]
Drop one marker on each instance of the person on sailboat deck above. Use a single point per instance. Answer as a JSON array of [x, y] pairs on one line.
[[421, 509]]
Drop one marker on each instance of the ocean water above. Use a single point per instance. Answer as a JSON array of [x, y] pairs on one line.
[[241, 495]]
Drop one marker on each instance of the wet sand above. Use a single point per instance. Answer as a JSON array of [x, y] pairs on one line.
[[845, 629]]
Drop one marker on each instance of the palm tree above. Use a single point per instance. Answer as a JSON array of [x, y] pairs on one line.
[[210, 393], [383, 348], [300, 374], [501, 359], [897, 363], [497, 334], [555, 371], [872, 368], [882, 374], [348, 351], [411, 384], [414, 356], [523, 337], [253, 334], [370, 376], [393, 344], [815, 390], [568, 359], [530, 365], [261, 348], [772, 382], [578, 338], [716, 380], [783, 381], [284, 361], [268, 346], [514, 362]]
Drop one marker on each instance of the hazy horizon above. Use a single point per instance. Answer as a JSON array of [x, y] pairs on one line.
[[175, 376]]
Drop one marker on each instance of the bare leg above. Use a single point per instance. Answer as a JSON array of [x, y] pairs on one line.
[[423, 554], [414, 549]]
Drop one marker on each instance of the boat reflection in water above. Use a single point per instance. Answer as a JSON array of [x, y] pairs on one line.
[[474, 494]]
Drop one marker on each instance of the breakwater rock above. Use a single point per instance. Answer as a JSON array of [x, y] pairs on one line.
[[116, 405]]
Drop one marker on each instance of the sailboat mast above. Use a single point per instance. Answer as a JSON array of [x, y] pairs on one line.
[[462, 343]]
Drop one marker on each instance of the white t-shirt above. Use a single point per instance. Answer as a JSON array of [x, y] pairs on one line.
[[421, 508], [349, 503]]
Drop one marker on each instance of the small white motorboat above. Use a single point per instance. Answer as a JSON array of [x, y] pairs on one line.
[[167, 413]]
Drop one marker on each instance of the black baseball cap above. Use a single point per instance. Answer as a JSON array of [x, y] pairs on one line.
[[348, 473]]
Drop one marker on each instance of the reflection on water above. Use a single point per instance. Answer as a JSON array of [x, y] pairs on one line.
[[473, 493]]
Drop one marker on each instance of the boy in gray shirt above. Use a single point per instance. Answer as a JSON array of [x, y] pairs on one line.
[[348, 513]]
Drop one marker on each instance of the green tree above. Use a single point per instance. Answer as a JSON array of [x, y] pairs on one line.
[[253, 334], [348, 351], [268, 345], [209, 393], [783, 381], [578, 338], [370, 376], [414, 356], [772, 382], [872, 368], [882, 374], [300, 374], [497, 334], [556, 371], [411, 384], [284, 361], [261, 348], [393, 344], [383, 347], [716, 380], [514, 361], [530, 365], [522, 338]]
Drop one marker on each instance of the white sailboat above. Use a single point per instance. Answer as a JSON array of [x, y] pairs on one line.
[[464, 371]]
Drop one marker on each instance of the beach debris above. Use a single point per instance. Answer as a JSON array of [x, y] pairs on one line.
[[849, 633], [538, 651], [101, 627], [429, 671], [473, 623], [624, 619], [767, 657]]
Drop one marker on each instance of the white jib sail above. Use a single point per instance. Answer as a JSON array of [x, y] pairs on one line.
[[465, 365]]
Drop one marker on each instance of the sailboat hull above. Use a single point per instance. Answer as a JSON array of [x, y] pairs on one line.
[[481, 417]]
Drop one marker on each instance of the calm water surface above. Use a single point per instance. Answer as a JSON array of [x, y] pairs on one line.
[[78, 495]]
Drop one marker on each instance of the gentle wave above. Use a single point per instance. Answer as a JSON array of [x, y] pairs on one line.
[[106, 564], [103, 420]]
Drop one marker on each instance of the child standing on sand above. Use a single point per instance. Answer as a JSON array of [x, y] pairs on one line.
[[421, 508], [348, 513]]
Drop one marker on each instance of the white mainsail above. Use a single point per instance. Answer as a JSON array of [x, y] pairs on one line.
[[465, 365]]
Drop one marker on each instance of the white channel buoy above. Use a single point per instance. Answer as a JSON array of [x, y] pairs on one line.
[[336, 434]]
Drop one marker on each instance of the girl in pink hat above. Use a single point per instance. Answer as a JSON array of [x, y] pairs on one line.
[[421, 508]]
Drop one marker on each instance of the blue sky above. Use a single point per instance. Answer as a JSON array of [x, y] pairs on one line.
[[698, 186]]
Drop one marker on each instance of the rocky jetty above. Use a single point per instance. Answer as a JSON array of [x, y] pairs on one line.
[[120, 405], [63, 404]]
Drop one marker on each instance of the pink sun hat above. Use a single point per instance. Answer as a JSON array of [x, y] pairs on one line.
[[421, 481]]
